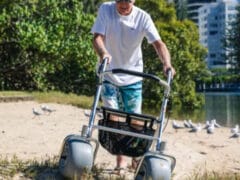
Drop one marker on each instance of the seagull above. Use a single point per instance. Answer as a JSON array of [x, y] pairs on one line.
[[100, 115], [235, 129], [235, 132], [186, 124], [87, 113], [47, 109], [190, 123], [36, 112], [196, 128], [235, 135], [211, 128], [206, 125], [215, 123], [176, 126]]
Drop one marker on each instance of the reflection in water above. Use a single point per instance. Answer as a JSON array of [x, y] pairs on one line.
[[224, 107]]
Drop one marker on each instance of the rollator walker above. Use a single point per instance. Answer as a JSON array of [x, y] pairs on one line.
[[133, 135]]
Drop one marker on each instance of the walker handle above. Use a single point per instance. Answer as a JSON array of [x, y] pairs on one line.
[[140, 74], [169, 76], [102, 66]]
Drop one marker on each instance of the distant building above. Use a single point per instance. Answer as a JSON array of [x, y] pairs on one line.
[[214, 22], [193, 6]]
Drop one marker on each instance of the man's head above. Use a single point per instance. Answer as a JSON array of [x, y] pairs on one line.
[[124, 7]]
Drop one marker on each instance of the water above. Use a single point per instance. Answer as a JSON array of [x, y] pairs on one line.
[[225, 107], [222, 106]]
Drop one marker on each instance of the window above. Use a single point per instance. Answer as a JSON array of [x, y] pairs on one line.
[[231, 8], [213, 25], [213, 32], [212, 55]]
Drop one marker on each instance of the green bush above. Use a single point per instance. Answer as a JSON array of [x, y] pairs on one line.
[[46, 45]]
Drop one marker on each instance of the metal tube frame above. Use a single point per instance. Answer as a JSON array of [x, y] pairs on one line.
[[166, 84]]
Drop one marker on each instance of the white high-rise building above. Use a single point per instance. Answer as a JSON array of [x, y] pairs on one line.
[[193, 6], [214, 22]]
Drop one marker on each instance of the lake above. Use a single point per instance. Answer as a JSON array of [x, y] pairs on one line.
[[222, 106]]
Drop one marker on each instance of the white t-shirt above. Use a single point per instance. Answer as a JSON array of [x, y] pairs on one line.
[[123, 39]]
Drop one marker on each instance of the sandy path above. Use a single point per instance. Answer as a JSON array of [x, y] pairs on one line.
[[29, 137]]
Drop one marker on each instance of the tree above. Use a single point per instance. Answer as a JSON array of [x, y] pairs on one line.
[[181, 9], [91, 6], [187, 56], [46, 45]]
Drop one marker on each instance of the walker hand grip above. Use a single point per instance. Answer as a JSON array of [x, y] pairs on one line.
[[140, 74], [169, 76], [102, 66], [136, 73]]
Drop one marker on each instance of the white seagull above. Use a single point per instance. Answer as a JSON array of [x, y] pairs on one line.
[[235, 135], [190, 123], [47, 109], [235, 129], [36, 112], [206, 125], [176, 126], [87, 113], [196, 128], [210, 129], [215, 123], [186, 124]]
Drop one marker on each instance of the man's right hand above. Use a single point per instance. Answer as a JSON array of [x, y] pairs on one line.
[[99, 46], [106, 56]]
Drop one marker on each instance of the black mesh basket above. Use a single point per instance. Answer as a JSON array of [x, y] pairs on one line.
[[119, 144]]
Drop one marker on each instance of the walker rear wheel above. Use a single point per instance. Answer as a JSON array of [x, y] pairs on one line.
[[155, 168]]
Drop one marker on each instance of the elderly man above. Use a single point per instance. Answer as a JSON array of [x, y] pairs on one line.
[[118, 32]]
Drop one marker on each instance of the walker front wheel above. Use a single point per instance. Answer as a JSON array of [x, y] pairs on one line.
[[76, 157]]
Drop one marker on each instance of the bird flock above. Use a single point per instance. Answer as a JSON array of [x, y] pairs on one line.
[[44, 110], [209, 127]]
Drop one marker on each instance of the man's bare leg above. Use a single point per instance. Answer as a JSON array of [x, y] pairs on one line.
[[121, 161]]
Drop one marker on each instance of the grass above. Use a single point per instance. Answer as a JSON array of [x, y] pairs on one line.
[[48, 169], [53, 97], [215, 176], [63, 98], [30, 169], [13, 93]]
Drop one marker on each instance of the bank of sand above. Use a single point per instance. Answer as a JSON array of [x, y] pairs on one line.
[[30, 137]]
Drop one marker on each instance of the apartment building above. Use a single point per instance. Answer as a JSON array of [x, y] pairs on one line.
[[193, 6], [215, 22]]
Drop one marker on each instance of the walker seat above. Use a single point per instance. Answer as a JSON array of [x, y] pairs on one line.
[[120, 144]]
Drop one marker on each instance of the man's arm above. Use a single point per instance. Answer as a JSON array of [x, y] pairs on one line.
[[164, 55], [98, 44]]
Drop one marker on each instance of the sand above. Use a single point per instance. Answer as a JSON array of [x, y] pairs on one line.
[[27, 136]]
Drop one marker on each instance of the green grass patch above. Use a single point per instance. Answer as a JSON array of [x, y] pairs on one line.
[[63, 98], [15, 168], [48, 169], [80, 101], [13, 93], [31, 169]]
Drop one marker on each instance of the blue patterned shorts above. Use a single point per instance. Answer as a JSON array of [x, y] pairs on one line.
[[126, 98]]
